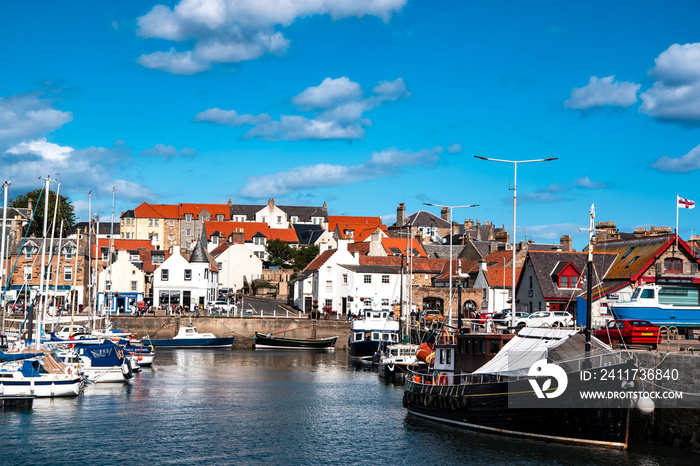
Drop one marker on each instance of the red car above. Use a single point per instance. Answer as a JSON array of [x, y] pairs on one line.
[[629, 332]]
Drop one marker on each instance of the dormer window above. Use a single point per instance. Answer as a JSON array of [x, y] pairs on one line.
[[29, 251], [188, 218], [566, 275], [220, 217]]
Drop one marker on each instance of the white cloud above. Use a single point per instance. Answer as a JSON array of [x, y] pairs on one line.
[[330, 93], [587, 183], [230, 31], [601, 92], [676, 90], [340, 104], [683, 164], [93, 168], [230, 117], [455, 148], [384, 163], [27, 117], [169, 152]]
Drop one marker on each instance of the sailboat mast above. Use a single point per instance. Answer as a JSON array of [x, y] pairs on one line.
[[589, 288], [39, 317], [2, 252]]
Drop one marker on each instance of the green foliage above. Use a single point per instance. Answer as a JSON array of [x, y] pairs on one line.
[[279, 253], [260, 283], [66, 211], [282, 254], [304, 256]]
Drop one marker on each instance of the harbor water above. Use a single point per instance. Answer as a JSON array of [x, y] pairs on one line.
[[245, 407]]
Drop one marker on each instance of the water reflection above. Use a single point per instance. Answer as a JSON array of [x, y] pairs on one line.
[[253, 407]]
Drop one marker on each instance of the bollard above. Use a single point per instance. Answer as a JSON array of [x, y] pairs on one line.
[[274, 313], [287, 313], [300, 314]]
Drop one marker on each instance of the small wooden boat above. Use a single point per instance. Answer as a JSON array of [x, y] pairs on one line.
[[271, 341]]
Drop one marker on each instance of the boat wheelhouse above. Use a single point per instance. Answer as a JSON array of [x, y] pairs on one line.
[[373, 328], [675, 305]]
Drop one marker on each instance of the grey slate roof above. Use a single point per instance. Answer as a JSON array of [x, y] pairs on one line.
[[442, 251], [304, 213], [386, 269], [307, 234], [545, 263], [423, 218]]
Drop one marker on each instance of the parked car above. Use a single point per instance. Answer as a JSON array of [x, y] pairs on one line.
[[629, 332], [15, 307], [433, 316], [550, 319], [219, 307], [503, 318]]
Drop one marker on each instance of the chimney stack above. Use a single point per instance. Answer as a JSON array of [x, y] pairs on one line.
[[445, 214], [400, 215], [566, 243]]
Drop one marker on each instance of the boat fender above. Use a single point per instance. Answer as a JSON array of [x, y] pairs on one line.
[[416, 378], [427, 399], [461, 402], [405, 400]]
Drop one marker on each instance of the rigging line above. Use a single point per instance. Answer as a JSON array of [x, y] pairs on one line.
[[22, 244]]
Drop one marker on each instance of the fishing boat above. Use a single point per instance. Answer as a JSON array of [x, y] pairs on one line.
[[398, 359], [500, 397], [273, 341], [534, 387], [189, 337], [663, 305], [368, 331]]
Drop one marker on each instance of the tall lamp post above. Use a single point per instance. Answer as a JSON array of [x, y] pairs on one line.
[[449, 208], [515, 181]]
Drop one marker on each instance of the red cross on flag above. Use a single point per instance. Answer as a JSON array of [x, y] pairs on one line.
[[685, 203]]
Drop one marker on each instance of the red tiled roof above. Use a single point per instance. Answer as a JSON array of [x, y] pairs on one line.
[[334, 220], [123, 245], [146, 210], [400, 243], [213, 209], [319, 260], [148, 265]]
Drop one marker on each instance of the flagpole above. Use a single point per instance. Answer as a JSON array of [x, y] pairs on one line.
[[677, 202]]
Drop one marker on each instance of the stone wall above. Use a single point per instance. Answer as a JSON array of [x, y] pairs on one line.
[[243, 329]]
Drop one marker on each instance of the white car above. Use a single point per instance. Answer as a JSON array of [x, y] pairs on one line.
[[550, 319], [220, 306]]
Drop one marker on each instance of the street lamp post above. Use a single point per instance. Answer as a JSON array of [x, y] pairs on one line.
[[450, 210], [515, 181]]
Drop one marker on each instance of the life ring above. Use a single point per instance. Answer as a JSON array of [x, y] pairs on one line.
[[446, 337]]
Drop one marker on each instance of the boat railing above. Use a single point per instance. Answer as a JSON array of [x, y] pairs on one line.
[[668, 333]]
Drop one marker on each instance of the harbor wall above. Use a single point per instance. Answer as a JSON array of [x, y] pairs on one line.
[[243, 329], [676, 427]]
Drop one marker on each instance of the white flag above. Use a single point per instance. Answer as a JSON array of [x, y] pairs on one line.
[[685, 203]]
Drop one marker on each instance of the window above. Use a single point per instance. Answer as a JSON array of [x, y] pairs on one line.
[[205, 218], [264, 219], [133, 258], [188, 218], [295, 219], [157, 259], [219, 265], [260, 254], [345, 279], [69, 251], [108, 285], [29, 250], [127, 235], [127, 221], [329, 302], [563, 281], [188, 274], [530, 281], [368, 279], [188, 232], [220, 217], [367, 302], [385, 303], [171, 223], [164, 275], [133, 285], [279, 219], [156, 222], [150, 222], [206, 274], [27, 272], [329, 286], [105, 254], [673, 265], [259, 240], [171, 237], [385, 278]]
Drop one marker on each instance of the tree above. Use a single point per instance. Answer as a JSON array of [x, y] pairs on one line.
[[279, 253], [304, 256], [66, 211]]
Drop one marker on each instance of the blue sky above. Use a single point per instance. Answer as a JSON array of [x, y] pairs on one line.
[[362, 104]]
